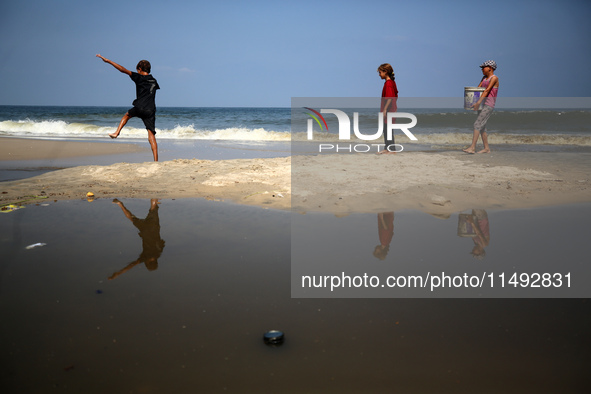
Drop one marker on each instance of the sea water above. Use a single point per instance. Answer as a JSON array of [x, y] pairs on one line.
[[437, 128], [235, 124]]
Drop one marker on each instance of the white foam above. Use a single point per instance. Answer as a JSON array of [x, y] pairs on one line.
[[59, 128]]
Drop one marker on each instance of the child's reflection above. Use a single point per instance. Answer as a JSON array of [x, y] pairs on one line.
[[476, 226], [149, 231], [385, 232]]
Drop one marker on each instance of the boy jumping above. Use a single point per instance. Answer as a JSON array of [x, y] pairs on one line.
[[144, 106]]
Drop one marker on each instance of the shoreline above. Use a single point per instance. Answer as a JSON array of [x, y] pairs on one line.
[[437, 183], [28, 149]]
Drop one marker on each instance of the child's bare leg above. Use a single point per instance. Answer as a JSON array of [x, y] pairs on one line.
[[485, 143], [153, 144], [154, 203], [123, 122], [471, 148]]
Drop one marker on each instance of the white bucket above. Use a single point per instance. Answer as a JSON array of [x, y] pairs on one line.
[[471, 96]]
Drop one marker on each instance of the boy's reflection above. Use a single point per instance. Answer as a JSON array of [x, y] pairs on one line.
[[149, 231], [475, 225], [385, 232]]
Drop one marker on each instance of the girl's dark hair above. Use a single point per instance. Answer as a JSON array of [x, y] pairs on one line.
[[387, 68], [144, 65]]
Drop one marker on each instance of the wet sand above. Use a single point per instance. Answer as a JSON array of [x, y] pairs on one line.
[[32, 149], [439, 183], [194, 322]]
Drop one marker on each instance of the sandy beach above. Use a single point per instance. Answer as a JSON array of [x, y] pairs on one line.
[[439, 183]]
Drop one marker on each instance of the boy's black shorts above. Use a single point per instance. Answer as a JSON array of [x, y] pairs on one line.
[[148, 116]]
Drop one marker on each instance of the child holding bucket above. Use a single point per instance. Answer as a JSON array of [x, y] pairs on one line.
[[490, 83]]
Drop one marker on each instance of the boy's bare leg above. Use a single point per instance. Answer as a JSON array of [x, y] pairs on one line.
[[154, 203], [485, 143], [153, 144], [471, 148], [123, 122]]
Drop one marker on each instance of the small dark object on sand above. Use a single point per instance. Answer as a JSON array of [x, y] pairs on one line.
[[273, 337]]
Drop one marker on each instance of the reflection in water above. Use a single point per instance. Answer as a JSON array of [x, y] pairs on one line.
[[475, 225], [149, 231], [201, 325], [385, 233]]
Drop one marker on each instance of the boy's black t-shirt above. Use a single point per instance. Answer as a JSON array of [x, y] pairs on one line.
[[145, 90]]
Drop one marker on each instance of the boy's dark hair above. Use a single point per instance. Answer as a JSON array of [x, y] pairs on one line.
[[144, 65]]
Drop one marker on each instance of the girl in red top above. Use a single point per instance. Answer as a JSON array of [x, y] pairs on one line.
[[389, 97]]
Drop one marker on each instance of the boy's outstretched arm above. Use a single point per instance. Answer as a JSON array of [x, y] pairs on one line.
[[117, 66]]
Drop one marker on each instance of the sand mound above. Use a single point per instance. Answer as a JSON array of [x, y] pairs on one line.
[[436, 183]]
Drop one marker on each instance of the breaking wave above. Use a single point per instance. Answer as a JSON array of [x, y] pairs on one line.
[[59, 128], [62, 129]]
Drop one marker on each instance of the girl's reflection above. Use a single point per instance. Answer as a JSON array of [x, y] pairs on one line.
[[385, 232], [149, 231]]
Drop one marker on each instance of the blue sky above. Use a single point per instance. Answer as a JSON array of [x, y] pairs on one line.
[[262, 53]]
